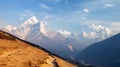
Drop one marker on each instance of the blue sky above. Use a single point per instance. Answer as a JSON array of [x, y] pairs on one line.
[[71, 15]]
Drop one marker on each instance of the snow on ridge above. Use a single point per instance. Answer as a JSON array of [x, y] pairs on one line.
[[98, 31], [31, 21], [33, 26], [64, 33], [10, 27], [42, 28]]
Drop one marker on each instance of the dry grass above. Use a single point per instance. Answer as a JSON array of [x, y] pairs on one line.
[[15, 53]]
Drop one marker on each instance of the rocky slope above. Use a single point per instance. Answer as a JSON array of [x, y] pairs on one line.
[[15, 52]]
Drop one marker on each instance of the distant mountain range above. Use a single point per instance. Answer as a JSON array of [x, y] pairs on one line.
[[102, 54], [63, 43]]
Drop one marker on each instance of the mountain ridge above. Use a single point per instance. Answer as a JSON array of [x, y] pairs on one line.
[[104, 53], [58, 58], [32, 44], [60, 41]]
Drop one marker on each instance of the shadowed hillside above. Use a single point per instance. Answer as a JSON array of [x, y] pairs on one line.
[[103, 54]]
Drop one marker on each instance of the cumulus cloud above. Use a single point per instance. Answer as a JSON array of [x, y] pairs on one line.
[[45, 6], [86, 10]]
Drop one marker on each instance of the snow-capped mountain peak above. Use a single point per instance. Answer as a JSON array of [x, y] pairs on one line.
[[96, 27], [97, 31], [91, 35], [10, 28], [31, 21], [34, 31], [64, 33], [42, 28]]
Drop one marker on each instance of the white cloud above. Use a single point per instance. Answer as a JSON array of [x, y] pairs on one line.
[[86, 10], [108, 5], [97, 5], [45, 6]]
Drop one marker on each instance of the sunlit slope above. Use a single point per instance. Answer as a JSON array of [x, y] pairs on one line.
[[17, 53]]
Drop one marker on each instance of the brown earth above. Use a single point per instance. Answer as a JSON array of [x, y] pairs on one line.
[[17, 53]]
